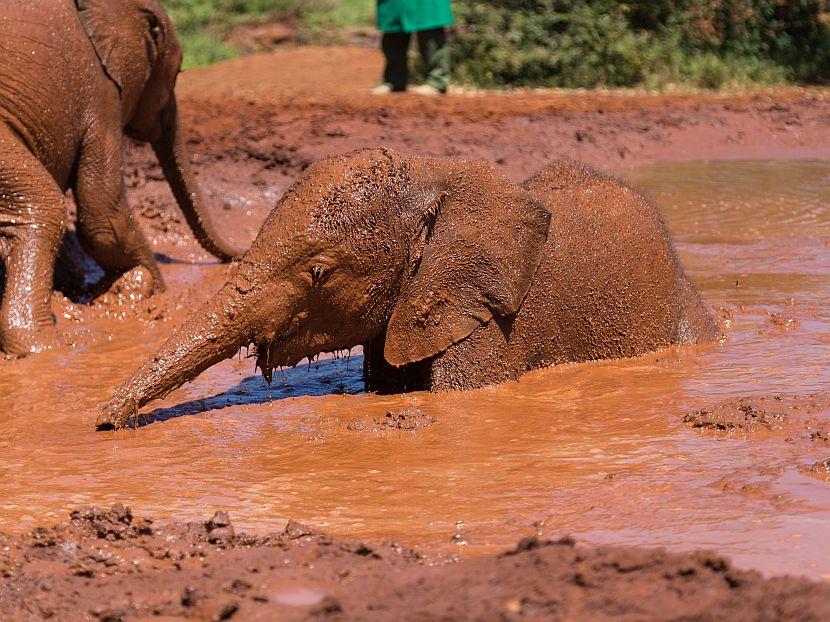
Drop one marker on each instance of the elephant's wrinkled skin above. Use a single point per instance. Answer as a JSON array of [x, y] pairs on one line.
[[451, 277], [75, 76]]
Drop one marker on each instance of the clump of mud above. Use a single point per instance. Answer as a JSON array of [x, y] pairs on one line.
[[747, 415], [159, 218], [783, 322], [747, 489], [740, 415], [109, 565], [819, 470], [408, 419]]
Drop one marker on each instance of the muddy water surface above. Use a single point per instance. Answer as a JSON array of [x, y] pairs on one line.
[[599, 451]]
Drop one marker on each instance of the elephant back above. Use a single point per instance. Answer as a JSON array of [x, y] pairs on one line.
[[46, 78], [610, 285]]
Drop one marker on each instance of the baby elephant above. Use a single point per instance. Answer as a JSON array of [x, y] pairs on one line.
[[448, 274]]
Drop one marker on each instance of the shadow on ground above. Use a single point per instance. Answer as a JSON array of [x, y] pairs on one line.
[[323, 377]]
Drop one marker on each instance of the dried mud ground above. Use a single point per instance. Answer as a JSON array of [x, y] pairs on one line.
[[255, 123]]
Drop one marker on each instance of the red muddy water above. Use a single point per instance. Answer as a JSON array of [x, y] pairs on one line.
[[600, 451]]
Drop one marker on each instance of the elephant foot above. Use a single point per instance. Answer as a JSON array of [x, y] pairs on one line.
[[17, 343], [133, 285]]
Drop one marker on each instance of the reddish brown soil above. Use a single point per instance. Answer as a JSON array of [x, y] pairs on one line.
[[110, 566], [304, 103]]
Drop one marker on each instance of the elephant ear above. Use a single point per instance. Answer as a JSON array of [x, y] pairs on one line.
[[487, 239], [127, 37]]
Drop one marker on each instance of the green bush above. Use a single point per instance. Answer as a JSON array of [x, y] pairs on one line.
[[653, 43], [202, 24]]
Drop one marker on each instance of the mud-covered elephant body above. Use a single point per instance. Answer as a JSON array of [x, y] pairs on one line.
[[449, 275], [75, 76], [609, 285]]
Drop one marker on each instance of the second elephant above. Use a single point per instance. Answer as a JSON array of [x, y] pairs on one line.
[[448, 274], [75, 76]]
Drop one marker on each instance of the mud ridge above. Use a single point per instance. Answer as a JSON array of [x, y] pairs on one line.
[[408, 419], [747, 415], [111, 565]]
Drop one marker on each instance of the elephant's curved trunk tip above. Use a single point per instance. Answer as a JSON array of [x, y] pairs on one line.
[[118, 413], [209, 336]]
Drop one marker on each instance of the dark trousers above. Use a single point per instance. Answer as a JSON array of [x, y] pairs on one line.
[[432, 45]]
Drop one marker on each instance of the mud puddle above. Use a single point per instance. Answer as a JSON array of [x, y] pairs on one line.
[[599, 451]]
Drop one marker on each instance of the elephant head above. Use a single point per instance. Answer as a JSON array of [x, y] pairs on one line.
[[373, 243], [140, 53]]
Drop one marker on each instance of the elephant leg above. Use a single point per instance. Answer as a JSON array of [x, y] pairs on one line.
[[106, 230], [117, 249], [32, 215]]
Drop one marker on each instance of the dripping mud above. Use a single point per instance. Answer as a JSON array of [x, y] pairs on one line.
[[721, 447]]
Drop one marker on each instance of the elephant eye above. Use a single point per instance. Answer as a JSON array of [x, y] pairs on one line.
[[319, 275]]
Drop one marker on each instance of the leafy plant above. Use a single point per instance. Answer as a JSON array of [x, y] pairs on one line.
[[654, 43]]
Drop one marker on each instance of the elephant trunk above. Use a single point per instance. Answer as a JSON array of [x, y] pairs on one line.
[[213, 334], [174, 158]]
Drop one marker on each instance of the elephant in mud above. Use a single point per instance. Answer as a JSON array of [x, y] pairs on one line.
[[448, 274], [75, 76]]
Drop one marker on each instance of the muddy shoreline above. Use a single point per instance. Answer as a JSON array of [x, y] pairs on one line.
[[600, 450], [109, 565], [268, 100]]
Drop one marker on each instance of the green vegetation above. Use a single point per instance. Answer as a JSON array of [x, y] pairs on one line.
[[651, 43], [569, 43], [202, 25]]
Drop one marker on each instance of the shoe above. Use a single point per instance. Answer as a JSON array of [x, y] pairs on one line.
[[381, 89], [426, 89]]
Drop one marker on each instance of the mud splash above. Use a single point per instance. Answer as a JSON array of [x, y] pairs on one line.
[[599, 451]]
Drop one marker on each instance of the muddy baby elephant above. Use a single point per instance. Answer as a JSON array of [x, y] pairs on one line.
[[448, 274], [75, 76]]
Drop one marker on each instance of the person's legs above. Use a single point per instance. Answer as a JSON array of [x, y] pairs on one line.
[[436, 55], [395, 46]]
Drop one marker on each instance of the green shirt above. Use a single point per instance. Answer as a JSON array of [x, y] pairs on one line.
[[413, 15]]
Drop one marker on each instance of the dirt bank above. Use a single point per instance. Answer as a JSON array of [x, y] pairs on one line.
[[315, 101], [111, 566]]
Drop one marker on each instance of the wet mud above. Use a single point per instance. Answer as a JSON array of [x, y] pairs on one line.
[[109, 565], [747, 416], [597, 450], [409, 419], [819, 470]]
